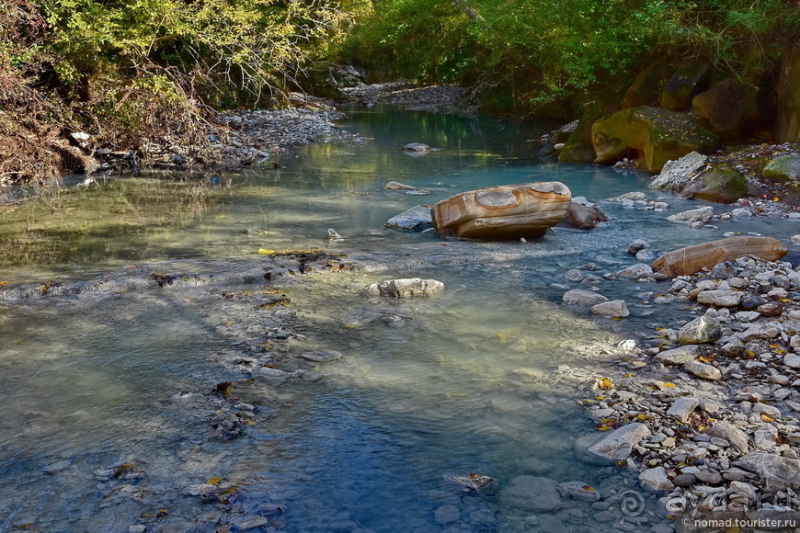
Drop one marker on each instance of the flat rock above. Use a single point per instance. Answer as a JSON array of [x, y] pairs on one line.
[[701, 330], [655, 480], [578, 490], [321, 356], [617, 446], [678, 356], [720, 298], [407, 287], [702, 370], [792, 360], [778, 472], [701, 214], [735, 436], [682, 407], [639, 270]]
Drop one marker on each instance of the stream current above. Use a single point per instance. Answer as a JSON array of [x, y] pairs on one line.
[[106, 393]]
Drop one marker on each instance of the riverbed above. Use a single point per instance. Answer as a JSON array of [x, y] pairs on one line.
[[123, 355]]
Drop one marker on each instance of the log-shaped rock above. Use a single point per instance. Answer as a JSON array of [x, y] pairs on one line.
[[693, 259], [503, 213]]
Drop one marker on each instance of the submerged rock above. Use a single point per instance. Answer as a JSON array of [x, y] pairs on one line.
[[618, 445], [407, 287], [415, 217]]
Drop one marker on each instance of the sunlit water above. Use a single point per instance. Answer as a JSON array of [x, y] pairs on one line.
[[463, 382]]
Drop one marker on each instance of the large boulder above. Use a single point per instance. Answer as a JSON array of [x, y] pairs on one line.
[[693, 259], [504, 212], [646, 89], [723, 186], [787, 120], [679, 172], [730, 107], [583, 216], [652, 134], [785, 168], [689, 80]]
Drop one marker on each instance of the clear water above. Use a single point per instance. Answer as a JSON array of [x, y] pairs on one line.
[[464, 382]]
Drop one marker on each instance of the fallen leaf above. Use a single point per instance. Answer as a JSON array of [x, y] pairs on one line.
[[265, 251]]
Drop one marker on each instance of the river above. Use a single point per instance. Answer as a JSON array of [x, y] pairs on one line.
[[108, 391]]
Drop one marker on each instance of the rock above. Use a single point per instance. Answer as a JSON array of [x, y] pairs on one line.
[[770, 309], [678, 356], [701, 214], [613, 309], [655, 480], [617, 446], [692, 259], [637, 246], [503, 213], [731, 433], [677, 173], [760, 331], [778, 472], [702, 370], [417, 147], [785, 168], [682, 408], [701, 330], [251, 523], [720, 298], [718, 185], [730, 107], [177, 527], [710, 477], [406, 287], [656, 135], [446, 514], [684, 480], [535, 494], [397, 186], [333, 236], [582, 297], [321, 356], [686, 82], [792, 360], [583, 217], [578, 490], [639, 270], [415, 217], [273, 376]]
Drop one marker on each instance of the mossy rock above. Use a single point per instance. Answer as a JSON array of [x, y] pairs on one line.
[[689, 80], [786, 168], [651, 135], [723, 186], [646, 88]]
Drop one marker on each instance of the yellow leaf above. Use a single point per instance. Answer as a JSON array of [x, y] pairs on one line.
[[641, 416], [765, 418], [669, 384], [265, 251], [214, 481], [603, 427], [776, 199], [599, 397], [604, 384]]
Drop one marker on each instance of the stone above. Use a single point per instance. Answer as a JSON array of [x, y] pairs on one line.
[[251, 523], [613, 309], [531, 493], [730, 108], [582, 297], [583, 216], [678, 356], [416, 217], [656, 135], [655, 479], [792, 360], [702, 370], [682, 408], [778, 472], [720, 298], [701, 214], [416, 147], [397, 186], [578, 490], [731, 433], [648, 85], [637, 246], [770, 309], [690, 79], [692, 259], [709, 477], [760, 331], [446, 514], [618, 445], [503, 213], [677, 173], [639, 270], [684, 480], [406, 287], [701, 330], [321, 356], [785, 168], [721, 186], [769, 410]]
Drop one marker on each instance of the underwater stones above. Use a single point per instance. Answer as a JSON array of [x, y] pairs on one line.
[[692, 259], [578, 490], [321, 356], [415, 217], [416, 147], [504, 212], [531, 493], [405, 287]]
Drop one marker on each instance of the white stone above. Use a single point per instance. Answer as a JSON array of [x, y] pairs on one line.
[[678, 356], [582, 297], [613, 309], [699, 215], [404, 288], [655, 479], [720, 298], [702, 370], [792, 360]]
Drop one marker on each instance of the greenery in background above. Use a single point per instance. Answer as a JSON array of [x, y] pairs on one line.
[[527, 55]]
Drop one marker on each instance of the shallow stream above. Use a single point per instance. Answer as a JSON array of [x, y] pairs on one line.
[[107, 393]]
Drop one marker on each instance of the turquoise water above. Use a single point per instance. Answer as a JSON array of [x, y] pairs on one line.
[[474, 380]]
